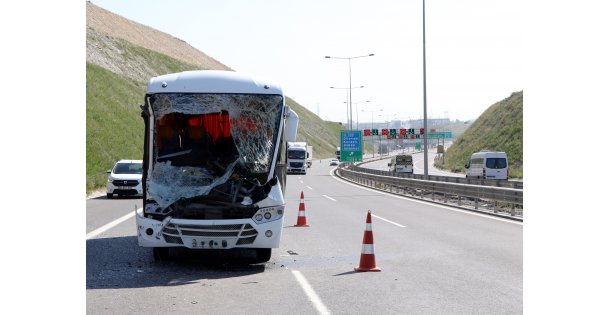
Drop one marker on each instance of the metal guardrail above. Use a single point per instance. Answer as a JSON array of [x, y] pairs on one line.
[[447, 179], [502, 201]]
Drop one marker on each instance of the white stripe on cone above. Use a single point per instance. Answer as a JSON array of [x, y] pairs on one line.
[[368, 227], [367, 249]]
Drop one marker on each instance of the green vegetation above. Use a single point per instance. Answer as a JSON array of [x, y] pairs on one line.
[[324, 136], [499, 128], [116, 84], [114, 126]]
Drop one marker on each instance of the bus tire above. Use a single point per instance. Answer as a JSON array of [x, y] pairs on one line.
[[263, 254]]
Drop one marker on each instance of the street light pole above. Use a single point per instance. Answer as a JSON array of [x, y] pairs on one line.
[[426, 153], [373, 139], [357, 111], [347, 99], [350, 82]]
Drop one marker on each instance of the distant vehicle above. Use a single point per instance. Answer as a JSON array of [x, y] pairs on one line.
[[297, 157], [401, 164], [334, 162], [488, 165], [309, 155], [125, 178]]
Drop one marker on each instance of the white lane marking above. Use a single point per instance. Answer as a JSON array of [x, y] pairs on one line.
[[111, 225], [309, 187], [427, 203], [301, 182], [312, 296], [328, 197], [389, 221]]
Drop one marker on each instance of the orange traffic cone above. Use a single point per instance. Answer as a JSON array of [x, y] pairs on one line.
[[368, 259], [301, 212]]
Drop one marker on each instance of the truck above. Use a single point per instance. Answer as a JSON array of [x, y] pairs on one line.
[[214, 161], [309, 156], [296, 158]]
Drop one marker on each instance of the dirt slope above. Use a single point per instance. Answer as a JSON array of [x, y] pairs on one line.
[[116, 26]]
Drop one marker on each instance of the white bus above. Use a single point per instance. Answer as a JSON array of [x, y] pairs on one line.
[[488, 165], [214, 163]]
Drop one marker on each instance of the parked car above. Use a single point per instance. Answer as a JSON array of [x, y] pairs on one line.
[[125, 178], [334, 162]]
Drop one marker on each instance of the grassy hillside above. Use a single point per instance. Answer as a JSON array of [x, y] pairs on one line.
[[117, 74], [324, 136], [499, 128], [114, 127]]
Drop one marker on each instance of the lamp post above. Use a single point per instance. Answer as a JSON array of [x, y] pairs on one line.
[[357, 111], [373, 142], [426, 153], [347, 98], [349, 82]]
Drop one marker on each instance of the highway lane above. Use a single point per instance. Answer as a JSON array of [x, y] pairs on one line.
[[433, 260], [418, 160]]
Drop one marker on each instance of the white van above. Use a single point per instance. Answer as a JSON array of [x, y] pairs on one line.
[[488, 165], [401, 164]]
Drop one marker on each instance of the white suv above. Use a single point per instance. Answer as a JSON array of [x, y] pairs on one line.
[[125, 178]]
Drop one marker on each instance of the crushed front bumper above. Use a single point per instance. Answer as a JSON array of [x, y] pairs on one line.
[[207, 234]]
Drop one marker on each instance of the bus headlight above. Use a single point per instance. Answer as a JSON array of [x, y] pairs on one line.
[[268, 214]]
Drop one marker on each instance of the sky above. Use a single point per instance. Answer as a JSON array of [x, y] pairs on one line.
[[473, 50]]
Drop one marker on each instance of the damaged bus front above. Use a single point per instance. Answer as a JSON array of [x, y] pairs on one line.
[[214, 163]]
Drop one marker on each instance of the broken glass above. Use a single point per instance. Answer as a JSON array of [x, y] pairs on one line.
[[201, 140]]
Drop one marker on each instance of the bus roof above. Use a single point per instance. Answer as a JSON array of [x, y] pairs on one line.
[[211, 81]]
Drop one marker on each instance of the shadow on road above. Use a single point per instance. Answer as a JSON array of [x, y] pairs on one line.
[[120, 263]]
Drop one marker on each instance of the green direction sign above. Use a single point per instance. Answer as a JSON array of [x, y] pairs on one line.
[[440, 135], [418, 146], [351, 146]]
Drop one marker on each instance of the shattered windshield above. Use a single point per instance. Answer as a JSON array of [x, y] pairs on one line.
[[200, 140]]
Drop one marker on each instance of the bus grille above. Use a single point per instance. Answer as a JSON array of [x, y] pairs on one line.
[[243, 233]]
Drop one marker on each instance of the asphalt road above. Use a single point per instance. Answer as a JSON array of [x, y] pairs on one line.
[[418, 160], [434, 260]]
